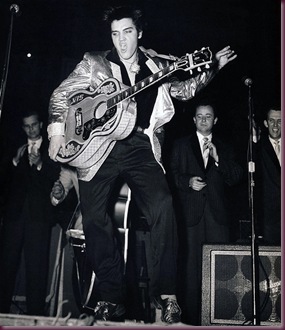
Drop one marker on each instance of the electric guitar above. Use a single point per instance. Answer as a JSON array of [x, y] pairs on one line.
[[97, 119]]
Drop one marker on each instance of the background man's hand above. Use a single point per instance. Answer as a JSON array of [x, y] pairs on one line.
[[197, 183], [35, 157], [212, 150]]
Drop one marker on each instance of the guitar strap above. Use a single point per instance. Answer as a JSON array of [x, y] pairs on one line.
[[150, 62], [152, 66], [153, 53]]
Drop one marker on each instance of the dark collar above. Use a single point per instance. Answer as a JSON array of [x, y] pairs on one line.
[[114, 57]]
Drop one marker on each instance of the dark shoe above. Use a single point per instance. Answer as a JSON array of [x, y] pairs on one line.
[[170, 311], [106, 311]]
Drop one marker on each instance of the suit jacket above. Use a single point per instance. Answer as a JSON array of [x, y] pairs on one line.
[[31, 186], [186, 162], [268, 182]]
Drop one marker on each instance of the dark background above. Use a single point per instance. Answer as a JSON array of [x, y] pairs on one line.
[[58, 32]]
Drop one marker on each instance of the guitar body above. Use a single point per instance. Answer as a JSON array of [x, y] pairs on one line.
[[93, 126]]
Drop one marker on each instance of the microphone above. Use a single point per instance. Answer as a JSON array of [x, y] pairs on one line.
[[15, 9], [247, 81]]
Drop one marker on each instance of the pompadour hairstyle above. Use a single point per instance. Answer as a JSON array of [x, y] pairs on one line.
[[117, 13]]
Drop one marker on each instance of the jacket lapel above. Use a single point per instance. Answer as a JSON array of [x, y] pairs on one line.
[[270, 150], [197, 151]]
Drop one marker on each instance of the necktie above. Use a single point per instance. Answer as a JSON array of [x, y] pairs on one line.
[[31, 146], [277, 149], [205, 151], [31, 149]]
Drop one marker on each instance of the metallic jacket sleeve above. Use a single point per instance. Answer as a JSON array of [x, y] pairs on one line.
[[185, 90], [80, 78]]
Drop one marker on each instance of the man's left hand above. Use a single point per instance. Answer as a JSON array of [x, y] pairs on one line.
[[212, 150]]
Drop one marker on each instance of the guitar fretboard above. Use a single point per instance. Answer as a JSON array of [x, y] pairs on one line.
[[131, 91]]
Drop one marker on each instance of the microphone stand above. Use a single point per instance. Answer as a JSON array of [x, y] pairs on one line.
[[14, 10], [254, 247]]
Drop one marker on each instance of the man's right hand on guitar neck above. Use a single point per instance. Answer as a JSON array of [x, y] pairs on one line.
[[56, 142]]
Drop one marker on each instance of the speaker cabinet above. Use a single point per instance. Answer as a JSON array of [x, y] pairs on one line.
[[227, 297]]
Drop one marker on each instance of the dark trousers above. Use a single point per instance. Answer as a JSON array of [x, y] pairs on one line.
[[190, 264], [33, 238], [133, 160]]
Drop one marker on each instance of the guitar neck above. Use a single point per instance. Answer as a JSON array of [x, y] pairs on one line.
[[141, 85]]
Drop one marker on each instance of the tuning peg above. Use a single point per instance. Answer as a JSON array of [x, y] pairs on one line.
[[199, 69]]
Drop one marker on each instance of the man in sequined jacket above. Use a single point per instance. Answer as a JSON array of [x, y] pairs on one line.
[[136, 156]]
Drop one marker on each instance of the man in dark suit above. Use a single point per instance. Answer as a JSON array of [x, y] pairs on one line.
[[202, 167], [269, 178], [28, 219]]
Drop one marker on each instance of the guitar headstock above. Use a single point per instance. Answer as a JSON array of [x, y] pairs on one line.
[[196, 60]]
